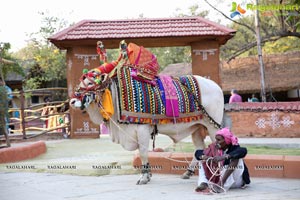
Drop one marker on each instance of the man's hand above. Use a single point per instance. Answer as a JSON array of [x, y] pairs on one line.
[[219, 158], [204, 157]]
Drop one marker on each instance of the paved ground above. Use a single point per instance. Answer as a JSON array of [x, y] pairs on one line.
[[45, 186], [56, 184]]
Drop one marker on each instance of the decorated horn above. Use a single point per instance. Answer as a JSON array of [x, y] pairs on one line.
[[101, 52], [123, 49]]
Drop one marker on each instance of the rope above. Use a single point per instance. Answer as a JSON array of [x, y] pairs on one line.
[[208, 162], [177, 132], [214, 173], [133, 139]]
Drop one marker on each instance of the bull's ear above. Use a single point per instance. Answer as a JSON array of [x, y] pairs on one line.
[[103, 77]]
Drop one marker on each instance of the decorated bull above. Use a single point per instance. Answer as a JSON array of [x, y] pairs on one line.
[[134, 103]]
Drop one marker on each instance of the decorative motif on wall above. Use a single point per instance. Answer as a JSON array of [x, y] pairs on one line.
[[275, 122], [86, 58], [86, 129], [204, 52]]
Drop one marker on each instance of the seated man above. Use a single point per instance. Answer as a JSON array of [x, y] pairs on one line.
[[233, 174]]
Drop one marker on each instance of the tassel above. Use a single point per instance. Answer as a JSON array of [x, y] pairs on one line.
[[108, 109]]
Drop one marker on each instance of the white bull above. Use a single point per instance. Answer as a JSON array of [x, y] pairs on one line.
[[137, 136]]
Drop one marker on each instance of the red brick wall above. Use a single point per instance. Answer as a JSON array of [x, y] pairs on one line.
[[265, 124]]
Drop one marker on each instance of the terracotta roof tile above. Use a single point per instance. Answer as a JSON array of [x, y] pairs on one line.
[[139, 28]]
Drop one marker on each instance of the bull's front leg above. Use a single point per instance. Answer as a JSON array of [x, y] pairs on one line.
[[198, 140], [145, 174], [143, 141]]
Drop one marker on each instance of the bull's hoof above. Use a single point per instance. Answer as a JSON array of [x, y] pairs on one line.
[[187, 174], [141, 182], [144, 179]]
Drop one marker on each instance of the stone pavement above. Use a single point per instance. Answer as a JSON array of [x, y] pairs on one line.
[[52, 184], [47, 186], [271, 142]]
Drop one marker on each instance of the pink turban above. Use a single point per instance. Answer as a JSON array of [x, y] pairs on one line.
[[228, 136]]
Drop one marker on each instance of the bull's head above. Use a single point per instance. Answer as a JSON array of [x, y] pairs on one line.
[[91, 82]]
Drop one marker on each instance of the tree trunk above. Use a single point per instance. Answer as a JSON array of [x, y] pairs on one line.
[[260, 58]]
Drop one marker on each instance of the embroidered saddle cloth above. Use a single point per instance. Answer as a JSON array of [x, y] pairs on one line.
[[170, 100]]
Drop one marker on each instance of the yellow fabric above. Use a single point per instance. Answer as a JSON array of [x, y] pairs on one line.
[[108, 109]]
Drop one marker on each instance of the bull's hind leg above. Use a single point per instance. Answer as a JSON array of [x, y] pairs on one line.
[[143, 141], [198, 141]]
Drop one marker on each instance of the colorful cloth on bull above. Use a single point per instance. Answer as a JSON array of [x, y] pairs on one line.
[[170, 95], [141, 102]]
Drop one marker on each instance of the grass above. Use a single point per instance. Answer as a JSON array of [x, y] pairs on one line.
[[259, 150]]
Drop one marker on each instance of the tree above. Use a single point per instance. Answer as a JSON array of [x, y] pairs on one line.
[[41, 55], [168, 55], [8, 64], [171, 55], [275, 24]]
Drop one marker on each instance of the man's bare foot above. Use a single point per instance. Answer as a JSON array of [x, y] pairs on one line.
[[201, 187]]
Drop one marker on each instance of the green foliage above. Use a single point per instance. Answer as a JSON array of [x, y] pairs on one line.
[[242, 37], [165, 55], [45, 62], [280, 32], [13, 65], [282, 45], [194, 10], [3, 108], [35, 78], [259, 150], [171, 55]]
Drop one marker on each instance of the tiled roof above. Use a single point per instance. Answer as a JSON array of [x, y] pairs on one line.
[[141, 28], [281, 73]]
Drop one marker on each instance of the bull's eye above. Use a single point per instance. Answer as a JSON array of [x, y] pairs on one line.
[[77, 94]]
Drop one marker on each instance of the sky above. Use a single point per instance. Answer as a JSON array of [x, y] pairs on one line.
[[20, 18]]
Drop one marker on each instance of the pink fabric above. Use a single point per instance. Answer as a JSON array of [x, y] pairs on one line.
[[235, 98], [212, 151], [104, 129], [228, 136], [172, 108]]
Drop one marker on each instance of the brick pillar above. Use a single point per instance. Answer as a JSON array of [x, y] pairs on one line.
[[79, 58], [205, 59]]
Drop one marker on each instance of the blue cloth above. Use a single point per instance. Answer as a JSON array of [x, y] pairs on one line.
[[162, 91], [9, 92]]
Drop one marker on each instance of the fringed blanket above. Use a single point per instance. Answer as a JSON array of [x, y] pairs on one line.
[[170, 100]]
